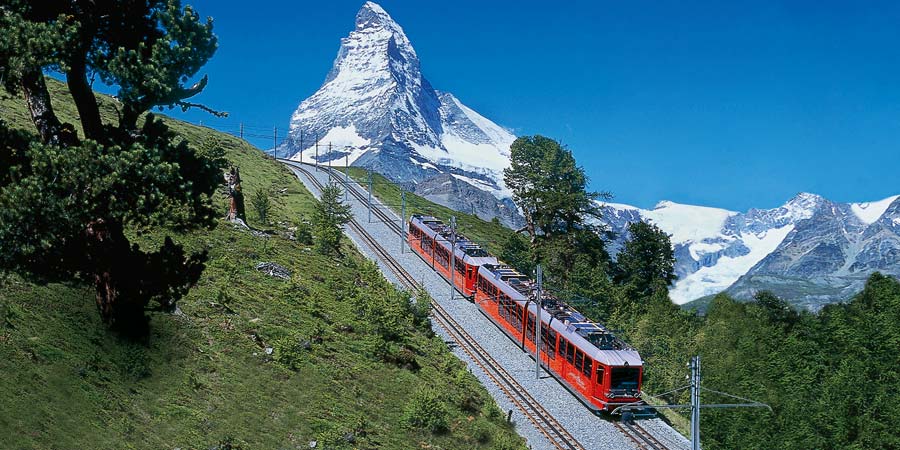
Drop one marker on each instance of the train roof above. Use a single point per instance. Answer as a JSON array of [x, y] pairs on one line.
[[466, 249], [591, 337]]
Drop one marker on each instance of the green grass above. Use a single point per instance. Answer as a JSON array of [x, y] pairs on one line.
[[204, 377], [491, 234]]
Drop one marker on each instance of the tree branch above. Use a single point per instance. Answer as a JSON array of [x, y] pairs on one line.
[[188, 105]]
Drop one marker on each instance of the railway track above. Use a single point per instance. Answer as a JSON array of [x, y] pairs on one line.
[[542, 420], [640, 436], [528, 405]]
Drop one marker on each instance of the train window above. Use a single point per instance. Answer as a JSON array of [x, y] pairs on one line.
[[529, 329], [579, 359], [562, 348], [624, 378], [570, 352], [552, 343], [588, 366], [599, 374]]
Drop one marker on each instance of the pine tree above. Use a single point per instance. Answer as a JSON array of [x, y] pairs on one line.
[[67, 202], [261, 204], [647, 262], [329, 216], [550, 188]]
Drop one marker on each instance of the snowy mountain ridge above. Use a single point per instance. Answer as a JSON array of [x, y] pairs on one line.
[[810, 248], [375, 109]]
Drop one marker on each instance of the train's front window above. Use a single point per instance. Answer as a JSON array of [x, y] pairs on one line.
[[624, 378]]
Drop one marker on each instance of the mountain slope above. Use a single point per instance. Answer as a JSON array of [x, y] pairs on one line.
[[376, 110], [810, 250], [205, 377]]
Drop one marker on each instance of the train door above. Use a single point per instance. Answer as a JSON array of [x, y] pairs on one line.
[[599, 382]]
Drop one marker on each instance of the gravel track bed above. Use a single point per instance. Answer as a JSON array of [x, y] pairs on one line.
[[590, 430]]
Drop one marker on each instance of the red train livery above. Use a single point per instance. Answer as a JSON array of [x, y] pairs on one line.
[[589, 360], [432, 240]]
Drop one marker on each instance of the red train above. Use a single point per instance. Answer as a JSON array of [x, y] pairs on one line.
[[590, 361]]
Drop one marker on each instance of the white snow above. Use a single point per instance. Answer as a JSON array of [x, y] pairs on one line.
[[501, 193], [686, 222], [727, 270], [341, 140], [870, 212]]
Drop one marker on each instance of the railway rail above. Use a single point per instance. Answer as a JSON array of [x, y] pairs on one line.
[[642, 438], [539, 417]]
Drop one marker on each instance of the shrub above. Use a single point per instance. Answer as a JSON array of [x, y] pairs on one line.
[[426, 410]]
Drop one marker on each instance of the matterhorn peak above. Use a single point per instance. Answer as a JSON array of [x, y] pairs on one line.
[[377, 110], [373, 15]]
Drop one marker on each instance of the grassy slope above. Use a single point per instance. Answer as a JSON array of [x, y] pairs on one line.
[[203, 378], [490, 234]]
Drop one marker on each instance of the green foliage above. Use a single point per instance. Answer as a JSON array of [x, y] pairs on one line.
[[427, 410], [329, 216], [647, 262], [517, 253], [549, 187], [69, 207], [210, 381], [261, 204], [304, 233], [830, 378]]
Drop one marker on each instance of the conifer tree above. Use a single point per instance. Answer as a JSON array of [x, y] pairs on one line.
[[329, 216], [647, 262], [70, 197]]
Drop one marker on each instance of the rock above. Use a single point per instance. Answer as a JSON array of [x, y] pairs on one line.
[[313, 444], [274, 270]]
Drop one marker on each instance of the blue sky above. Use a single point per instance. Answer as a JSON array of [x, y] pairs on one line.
[[727, 104]]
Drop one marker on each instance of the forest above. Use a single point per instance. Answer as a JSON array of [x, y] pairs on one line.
[[831, 378]]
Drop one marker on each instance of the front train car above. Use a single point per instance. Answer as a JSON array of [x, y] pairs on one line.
[[589, 360]]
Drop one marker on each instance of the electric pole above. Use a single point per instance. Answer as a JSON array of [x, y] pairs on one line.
[[369, 202], [275, 142], [537, 324], [402, 218], [452, 257], [695, 403]]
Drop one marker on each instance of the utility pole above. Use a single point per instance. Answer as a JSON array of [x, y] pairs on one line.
[[402, 218], [329, 162], [695, 402], [369, 202], [301, 145], [537, 324], [275, 141], [452, 257], [317, 152], [242, 130], [346, 175]]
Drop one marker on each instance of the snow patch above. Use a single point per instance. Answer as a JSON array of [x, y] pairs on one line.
[[687, 223], [717, 278], [341, 139], [870, 212]]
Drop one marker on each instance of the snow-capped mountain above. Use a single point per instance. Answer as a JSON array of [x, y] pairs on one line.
[[810, 251], [376, 110]]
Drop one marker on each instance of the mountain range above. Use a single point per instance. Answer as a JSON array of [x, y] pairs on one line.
[[810, 251], [376, 110]]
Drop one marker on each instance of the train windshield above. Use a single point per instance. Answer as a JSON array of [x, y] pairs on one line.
[[624, 378]]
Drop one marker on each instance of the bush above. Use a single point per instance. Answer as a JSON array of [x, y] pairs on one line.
[[426, 410]]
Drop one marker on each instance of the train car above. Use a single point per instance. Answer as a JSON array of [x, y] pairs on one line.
[[434, 242], [595, 365]]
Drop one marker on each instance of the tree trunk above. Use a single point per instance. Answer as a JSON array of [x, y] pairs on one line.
[[76, 79], [236, 209], [50, 130], [108, 255]]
